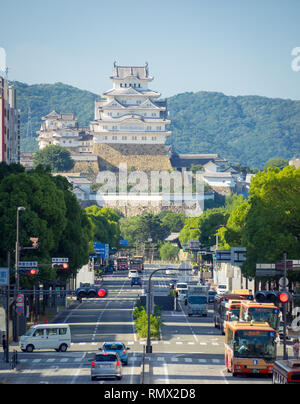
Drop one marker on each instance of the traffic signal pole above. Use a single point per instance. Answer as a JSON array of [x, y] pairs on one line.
[[285, 353]]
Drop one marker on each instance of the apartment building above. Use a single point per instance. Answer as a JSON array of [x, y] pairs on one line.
[[9, 124]]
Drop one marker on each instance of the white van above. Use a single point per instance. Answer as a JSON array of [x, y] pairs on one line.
[[46, 336]]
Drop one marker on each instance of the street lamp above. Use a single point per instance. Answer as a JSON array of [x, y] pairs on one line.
[[20, 208], [149, 346]]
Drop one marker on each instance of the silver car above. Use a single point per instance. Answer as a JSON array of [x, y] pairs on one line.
[[106, 365]]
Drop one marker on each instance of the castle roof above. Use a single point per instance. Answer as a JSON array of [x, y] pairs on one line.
[[124, 72], [64, 117], [130, 91]]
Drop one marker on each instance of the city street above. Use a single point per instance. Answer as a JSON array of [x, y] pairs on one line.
[[191, 350]]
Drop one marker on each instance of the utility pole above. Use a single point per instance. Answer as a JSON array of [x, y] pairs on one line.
[[285, 353], [7, 308], [20, 208]]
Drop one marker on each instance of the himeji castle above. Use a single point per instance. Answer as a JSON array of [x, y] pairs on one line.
[[130, 113]]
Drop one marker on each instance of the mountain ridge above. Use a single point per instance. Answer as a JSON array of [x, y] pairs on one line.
[[246, 129]]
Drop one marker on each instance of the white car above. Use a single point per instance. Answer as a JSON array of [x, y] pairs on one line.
[[182, 289], [46, 336], [133, 273], [221, 289]]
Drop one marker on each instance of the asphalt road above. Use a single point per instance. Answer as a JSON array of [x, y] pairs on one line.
[[191, 350]]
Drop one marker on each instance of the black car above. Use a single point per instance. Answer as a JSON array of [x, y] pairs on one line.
[[211, 296], [136, 281]]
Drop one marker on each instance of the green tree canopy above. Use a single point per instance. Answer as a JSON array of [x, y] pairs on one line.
[[168, 252], [52, 214], [54, 156], [276, 162], [105, 225]]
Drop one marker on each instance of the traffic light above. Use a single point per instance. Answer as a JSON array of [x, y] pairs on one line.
[[272, 296], [60, 266], [32, 272], [102, 293], [284, 297]]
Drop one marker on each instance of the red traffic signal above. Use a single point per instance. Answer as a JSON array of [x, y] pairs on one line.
[[60, 266], [102, 293], [284, 297], [33, 272]]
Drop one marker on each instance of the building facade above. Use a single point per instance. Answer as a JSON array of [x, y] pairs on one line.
[[131, 123], [63, 130], [9, 124]]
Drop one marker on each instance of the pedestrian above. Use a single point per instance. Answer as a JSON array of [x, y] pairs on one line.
[[296, 348], [4, 346]]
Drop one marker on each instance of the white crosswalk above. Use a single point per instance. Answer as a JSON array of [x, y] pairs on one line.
[[131, 360], [155, 343]]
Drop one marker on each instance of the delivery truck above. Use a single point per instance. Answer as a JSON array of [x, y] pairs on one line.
[[197, 301]]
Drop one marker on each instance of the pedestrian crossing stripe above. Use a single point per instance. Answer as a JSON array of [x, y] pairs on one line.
[[130, 360]]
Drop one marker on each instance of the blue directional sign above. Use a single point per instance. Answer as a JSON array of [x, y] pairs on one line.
[[4, 276], [101, 249], [124, 243]]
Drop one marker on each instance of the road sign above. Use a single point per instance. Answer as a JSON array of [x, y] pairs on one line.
[[27, 264], [60, 260], [280, 265], [124, 243], [296, 264], [20, 304], [266, 272], [281, 282], [4, 276], [267, 269], [20, 310], [223, 256], [20, 299], [101, 249], [194, 245], [238, 255]]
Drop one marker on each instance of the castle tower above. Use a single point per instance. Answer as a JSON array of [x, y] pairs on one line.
[[131, 122]]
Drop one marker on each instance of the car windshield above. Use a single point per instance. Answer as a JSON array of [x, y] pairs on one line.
[[197, 300], [268, 315], [106, 358], [255, 344], [30, 331], [113, 347]]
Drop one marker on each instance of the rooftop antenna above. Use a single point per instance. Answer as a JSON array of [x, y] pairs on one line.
[[29, 124], [6, 71]]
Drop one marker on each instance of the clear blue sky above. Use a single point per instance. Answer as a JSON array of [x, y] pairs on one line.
[[237, 47]]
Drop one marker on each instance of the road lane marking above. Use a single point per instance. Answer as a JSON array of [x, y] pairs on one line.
[[79, 369]]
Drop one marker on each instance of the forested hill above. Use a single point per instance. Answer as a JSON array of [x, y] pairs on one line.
[[246, 129]]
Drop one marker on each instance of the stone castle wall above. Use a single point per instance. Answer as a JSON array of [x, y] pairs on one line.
[[139, 157]]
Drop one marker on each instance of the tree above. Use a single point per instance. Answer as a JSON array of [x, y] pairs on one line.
[[74, 242], [168, 252], [105, 225], [276, 162], [141, 228], [52, 214], [272, 223], [54, 156], [204, 228], [174, 222]]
